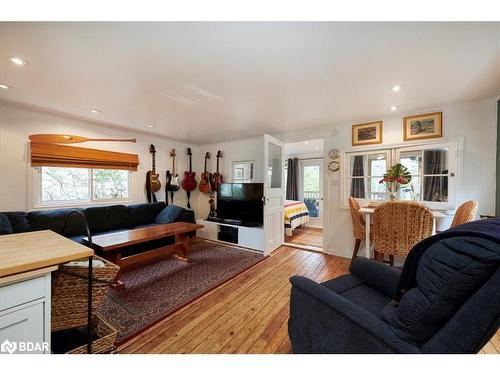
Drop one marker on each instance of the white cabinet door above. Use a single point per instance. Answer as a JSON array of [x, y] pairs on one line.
[[24, 324]]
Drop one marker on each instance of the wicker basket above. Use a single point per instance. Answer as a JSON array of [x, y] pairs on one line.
[[69, 293], [106, 341]]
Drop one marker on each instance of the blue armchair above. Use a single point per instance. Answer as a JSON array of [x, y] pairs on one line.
[[446, 299]]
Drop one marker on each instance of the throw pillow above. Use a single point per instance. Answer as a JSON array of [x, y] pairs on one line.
[[5, 227], [169, 214]]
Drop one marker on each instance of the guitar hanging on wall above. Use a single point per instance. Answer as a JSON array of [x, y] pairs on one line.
[[172, 180], [189, 182], [216, 178], [205, 177], [152, 178]]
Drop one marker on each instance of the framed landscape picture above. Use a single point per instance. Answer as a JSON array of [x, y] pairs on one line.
[[367, 134], [425, 126]]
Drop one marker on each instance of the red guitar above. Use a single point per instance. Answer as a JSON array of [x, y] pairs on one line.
[[205, 177], [216, 178], [189, 183]]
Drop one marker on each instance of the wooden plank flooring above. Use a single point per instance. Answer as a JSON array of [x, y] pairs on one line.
[[248, 314], [306, 236]]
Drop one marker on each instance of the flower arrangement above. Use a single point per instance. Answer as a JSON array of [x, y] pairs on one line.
[[395, 177]]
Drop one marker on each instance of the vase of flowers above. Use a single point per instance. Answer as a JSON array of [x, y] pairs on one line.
[[395, 177]]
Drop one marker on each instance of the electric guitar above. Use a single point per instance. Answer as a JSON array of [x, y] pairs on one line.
[[205, 177], [216, 178], [172, 180], [152, 178], [189, 182]]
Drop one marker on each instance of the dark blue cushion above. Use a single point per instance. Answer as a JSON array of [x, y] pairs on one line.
[[141, 214], [18, 221], [107, 218], [448, 273], [54, 220], [354, 290], [169, 214], [5, 227]]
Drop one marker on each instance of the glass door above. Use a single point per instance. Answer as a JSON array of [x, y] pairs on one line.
[[311, 189]]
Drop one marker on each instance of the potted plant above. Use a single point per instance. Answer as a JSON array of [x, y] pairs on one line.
[[395, 177]]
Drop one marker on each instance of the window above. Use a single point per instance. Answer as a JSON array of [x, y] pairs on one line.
[[432, 167], [243, 171], [56, 186], [365, 171]]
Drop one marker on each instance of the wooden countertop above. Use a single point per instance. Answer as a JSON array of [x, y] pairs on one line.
[[24, 252]]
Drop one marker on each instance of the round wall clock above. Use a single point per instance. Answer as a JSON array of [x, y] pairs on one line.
[[334, 154], [334, 166]]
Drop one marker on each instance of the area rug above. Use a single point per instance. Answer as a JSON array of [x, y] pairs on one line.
[[156, 290]]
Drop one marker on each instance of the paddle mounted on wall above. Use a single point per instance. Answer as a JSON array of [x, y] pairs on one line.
[[152, 178], [189, 182], [172, 180], [205, 177], [64, 138], [216, 178]]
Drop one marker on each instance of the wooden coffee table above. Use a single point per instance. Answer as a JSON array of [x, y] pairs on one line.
[[110, 245]]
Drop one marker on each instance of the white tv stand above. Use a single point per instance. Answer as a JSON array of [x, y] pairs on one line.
[[250, 237]]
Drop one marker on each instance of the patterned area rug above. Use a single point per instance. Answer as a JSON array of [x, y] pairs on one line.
[[155, 290]]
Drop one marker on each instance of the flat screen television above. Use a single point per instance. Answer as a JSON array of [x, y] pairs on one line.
[[241, 204]]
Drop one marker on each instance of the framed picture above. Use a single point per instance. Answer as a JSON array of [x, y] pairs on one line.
[[367, 134], [425, 126]]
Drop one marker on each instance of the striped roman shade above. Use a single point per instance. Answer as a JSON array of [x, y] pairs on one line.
[[54, 155]]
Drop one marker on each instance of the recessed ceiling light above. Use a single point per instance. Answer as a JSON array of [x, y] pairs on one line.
[[95, 110], [18, 61], [394, 108], [316, 148], [305, 142], [151, 126], [396, 88], [5, 87]]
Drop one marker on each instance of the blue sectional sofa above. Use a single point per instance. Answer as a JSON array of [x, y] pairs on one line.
[[100, 219], [446, 299]]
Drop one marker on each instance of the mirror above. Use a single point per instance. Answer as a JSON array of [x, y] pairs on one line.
[[243, 171], [274, 166]]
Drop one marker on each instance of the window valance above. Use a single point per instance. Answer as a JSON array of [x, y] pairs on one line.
[[55, 155]]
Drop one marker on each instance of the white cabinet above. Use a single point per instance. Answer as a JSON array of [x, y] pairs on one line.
[[25, 313], [249, 237]]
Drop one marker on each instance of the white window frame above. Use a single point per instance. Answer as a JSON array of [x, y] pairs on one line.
[[36, 189], [349, 155], [455, 165]]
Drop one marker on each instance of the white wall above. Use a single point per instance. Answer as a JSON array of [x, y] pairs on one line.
[[245, 149], [475, 121], [17, 123]]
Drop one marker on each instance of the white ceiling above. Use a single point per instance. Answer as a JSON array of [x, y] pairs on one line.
[[204, 82]]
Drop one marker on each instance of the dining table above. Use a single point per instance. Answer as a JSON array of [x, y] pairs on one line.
[[368, 211]]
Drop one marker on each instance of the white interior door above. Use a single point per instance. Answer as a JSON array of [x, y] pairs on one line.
[[311, 189], [274, 193]]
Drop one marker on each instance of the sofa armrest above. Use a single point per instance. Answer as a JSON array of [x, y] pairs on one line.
[[322, 321], [377, 275]]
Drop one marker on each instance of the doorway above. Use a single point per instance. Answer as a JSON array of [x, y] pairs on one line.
[[304, 205]]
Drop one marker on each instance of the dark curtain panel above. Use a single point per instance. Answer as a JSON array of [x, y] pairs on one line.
[[358, 184], [292, 191], [435, 187]]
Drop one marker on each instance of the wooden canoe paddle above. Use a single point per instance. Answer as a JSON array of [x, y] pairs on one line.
[[64, 138]]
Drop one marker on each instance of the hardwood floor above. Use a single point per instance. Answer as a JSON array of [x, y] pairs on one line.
[[306, 236], [248, 314]]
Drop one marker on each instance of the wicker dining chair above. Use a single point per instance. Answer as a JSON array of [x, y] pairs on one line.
[[465, 213], [398, 226], [358, 227]]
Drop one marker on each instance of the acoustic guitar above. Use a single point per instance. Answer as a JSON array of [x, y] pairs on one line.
[[216, 178], [172, 184], [152, 178], [205, 177], [189, 182]]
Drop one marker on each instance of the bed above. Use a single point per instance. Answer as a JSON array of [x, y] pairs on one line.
[[296, 214]]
